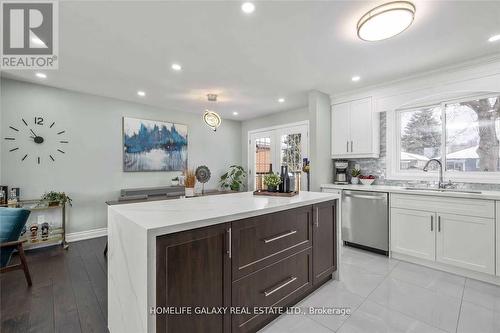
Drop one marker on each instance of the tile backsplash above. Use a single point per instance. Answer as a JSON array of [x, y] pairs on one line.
[[377, 166]]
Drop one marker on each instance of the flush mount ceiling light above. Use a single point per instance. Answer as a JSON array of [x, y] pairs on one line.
[[141, 93], [355, 78], [212, 119], [248, 7], [41, 75], [235, 113], [176, 67], [281, 100], [386, 21]]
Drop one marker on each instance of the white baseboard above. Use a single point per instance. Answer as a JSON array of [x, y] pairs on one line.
[[81, 235]]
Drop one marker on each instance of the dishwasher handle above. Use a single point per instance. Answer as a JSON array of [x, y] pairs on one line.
[[370, 197]]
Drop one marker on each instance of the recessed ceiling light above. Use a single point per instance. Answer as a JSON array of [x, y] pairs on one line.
[[141, 93], [41, 75], [355, 78], [176, 67], [248, 7], [494, 38], [281, 100], [386, 21], [235, 113]]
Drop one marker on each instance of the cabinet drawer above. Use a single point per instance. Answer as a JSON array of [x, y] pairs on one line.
[[260, 241], [458, 206], [279, 284]]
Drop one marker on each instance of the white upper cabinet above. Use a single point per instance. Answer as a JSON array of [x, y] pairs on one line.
[[355, 130], [340, 128]]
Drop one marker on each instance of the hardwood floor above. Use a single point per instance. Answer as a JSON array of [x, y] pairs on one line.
[[69, 292]]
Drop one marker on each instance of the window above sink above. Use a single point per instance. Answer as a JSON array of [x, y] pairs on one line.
[[464, 134]]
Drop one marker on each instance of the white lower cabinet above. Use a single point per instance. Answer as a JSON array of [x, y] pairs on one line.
[[437, 235], [412, 233], [467, 242]]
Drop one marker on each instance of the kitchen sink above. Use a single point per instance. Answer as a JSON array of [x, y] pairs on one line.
[[441, 190]]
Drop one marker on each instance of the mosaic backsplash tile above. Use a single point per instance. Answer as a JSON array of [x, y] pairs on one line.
[[377, 166]]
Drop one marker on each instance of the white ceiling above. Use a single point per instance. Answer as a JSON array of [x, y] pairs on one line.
[[283, 49]]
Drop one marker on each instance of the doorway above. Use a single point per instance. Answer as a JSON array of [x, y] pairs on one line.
[[275, 146]]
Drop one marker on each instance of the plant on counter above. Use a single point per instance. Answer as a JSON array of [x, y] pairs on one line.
[[272, 181], [56, 198], [355, 173], [233, 179]]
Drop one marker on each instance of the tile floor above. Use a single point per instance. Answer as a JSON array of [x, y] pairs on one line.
[[387, 295]]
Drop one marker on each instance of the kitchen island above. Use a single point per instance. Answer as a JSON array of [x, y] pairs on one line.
[[230, 253]]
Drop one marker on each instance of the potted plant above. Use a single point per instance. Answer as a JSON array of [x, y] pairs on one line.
[[233, 179], [189, 182], [355, 173], [56, 198], [175, 181], [272, 181]]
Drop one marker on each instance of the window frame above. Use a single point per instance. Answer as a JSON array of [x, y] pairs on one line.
[[393, 144]]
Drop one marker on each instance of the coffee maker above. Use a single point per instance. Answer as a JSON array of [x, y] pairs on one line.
[[340, 172]]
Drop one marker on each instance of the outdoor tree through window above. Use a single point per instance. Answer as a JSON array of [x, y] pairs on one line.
[[470, 142]]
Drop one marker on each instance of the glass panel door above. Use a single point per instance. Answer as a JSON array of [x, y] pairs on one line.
[[293, 147], [262, 156], [282, 146]]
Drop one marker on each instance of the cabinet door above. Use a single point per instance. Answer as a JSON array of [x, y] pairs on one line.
[[467, 242], [413, 233], [340, 129], [361, 122], [324, 240], [193, 269]]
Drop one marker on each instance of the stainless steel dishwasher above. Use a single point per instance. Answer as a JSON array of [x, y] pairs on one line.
[[365, 220]]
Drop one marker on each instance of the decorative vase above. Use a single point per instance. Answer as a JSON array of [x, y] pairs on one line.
[[271, 188], [189, 191], [354, 180]]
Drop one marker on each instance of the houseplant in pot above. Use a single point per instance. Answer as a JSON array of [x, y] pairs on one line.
[[272, 181], [189, 183], [233, 179], [56, 198], [355, 173]]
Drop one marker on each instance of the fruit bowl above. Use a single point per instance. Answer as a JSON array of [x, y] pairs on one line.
[[367, 180]]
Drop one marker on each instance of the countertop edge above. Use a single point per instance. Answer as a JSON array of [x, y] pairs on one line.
[[205, 222], [485, 195]]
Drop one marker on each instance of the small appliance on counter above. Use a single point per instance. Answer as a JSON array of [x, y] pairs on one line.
[[340, 172]]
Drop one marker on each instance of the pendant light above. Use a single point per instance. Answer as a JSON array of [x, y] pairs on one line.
[[212, 118]]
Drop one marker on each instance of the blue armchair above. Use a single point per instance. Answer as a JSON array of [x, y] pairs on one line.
[[12, 221]]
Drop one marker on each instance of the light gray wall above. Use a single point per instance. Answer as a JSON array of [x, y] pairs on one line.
[[320, 134], [91, 170], [275, 119]]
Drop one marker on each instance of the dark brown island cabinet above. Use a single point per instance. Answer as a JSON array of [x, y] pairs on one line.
[[245, 266]]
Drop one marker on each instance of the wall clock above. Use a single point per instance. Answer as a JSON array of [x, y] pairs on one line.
[[30, 136]]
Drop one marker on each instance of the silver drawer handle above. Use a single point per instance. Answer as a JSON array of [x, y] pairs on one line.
[[286, 234], [286, 283]]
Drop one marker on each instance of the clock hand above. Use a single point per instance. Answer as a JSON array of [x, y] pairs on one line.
[[33, 132]]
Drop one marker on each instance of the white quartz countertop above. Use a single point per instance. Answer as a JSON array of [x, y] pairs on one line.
[[490, 195], [168, 216]]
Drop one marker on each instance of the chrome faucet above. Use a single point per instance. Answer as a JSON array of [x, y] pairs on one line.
[[426, 168]]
